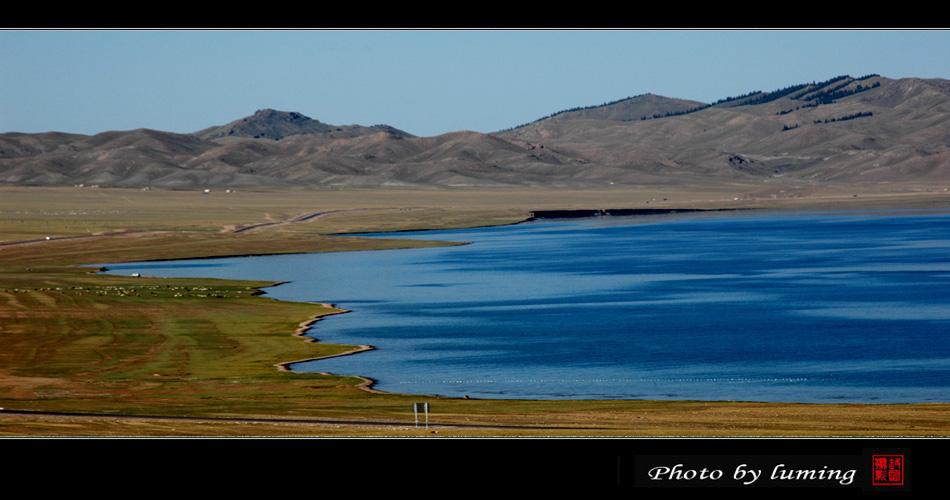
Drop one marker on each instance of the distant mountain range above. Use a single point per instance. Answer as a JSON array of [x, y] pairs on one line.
[[845, 130]]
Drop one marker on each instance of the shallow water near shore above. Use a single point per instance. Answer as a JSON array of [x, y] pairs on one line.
[[848, 307]]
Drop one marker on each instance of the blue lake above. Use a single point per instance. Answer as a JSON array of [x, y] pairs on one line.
[[796, 307]]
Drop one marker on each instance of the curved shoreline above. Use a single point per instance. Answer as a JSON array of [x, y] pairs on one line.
[[368, 383], [301, 331]]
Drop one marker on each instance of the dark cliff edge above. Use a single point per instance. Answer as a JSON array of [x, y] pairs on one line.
[[579, 213]]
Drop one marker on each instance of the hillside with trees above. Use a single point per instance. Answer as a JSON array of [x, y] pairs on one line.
[[870, 129]]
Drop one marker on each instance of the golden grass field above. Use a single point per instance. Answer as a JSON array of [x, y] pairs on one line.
[[85, 354]]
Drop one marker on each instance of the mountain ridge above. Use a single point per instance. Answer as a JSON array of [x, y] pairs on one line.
[[870, 129]]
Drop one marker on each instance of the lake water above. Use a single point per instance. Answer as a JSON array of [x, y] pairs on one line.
[[801, 307]]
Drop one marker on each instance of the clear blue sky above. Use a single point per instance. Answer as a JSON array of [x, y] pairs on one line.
[[426, 82]]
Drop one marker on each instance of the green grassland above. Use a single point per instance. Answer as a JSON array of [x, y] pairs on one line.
[[85, 354]]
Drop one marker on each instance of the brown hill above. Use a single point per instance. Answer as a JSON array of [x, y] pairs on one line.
[[276, 125], [629, 109], [884, 130], [844, 130]]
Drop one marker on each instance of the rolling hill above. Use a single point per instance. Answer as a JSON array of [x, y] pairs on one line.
[[845, 130]]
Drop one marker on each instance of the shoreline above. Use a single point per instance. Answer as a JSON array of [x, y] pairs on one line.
[[301, 332], [553, 215], [177, 225]]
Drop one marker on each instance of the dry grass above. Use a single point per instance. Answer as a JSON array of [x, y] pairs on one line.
[[119, 347]]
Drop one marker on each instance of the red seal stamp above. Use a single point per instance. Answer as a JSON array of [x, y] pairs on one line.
[[887, 470]]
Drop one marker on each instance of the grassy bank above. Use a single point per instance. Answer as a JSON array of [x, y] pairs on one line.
[[96, 350]]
